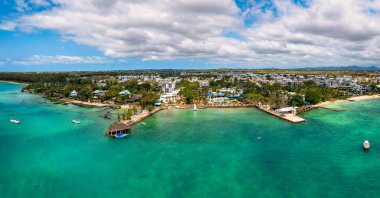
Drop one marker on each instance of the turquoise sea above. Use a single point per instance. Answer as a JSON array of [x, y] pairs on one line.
[[183, 153]]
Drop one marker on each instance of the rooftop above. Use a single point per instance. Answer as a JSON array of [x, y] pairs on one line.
[[118, 126]]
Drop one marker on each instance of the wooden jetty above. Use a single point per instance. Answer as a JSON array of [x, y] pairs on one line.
[[125, 126]]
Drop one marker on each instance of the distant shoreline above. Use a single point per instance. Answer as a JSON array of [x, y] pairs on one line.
[[13, 82]]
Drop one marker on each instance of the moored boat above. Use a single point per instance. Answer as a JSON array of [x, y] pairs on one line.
[[75, 121], [366, 145], [120, 135], [195, 107], [15, 121]]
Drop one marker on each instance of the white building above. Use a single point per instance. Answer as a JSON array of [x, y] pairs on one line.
[[204, 83], [167, 86], [287, 110], [98, 93], [169, 97]]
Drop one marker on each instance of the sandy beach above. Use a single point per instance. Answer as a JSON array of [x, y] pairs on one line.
[[351, 99], [77, 102]]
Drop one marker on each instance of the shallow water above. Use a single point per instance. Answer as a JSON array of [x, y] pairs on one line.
[[184, 153]]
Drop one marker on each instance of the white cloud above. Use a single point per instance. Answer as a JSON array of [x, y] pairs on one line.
[[50, 60], [329, 32], [27, 5], [8, 25]]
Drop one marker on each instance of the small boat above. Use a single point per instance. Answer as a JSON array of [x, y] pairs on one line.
[[120, 135], [195, 107], [143, 123], [15, 121], [366, 145], [258, 138], [75, 121]]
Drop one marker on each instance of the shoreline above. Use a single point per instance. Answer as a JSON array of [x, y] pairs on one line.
[[13, 82], [351, 99], [87, 104], [294, 119]]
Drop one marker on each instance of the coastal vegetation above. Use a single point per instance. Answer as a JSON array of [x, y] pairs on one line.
[[143, 91]]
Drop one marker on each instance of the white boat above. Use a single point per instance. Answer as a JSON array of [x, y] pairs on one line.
[[143, 123], [195, 107], [75, 121], [15, 121], [258, 138], [366, 145]]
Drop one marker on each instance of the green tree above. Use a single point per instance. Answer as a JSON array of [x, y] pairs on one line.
[[85, 93], [255, 98], [129, 114], [297, 100], [148, 98], [313, 96], [277, 99]]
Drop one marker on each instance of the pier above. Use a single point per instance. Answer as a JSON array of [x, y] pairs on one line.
[[292, 118], [139, 117], [126, 125]]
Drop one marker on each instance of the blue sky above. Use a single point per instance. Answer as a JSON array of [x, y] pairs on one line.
[[67, 35]]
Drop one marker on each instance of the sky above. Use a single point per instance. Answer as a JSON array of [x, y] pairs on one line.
[[72, 35]]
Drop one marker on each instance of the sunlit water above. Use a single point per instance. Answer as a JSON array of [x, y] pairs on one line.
[[184, 153]]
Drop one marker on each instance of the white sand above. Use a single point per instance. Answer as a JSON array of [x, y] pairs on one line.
[[355, 98]]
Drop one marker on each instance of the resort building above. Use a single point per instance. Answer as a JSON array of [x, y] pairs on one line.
[[140, 77], [97, 93], [168, 86], [169, 97], [229, 90]]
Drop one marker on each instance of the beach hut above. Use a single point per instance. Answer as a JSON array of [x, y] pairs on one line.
[[117, 128], [73, 94]]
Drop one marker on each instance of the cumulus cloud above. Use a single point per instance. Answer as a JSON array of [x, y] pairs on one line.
[[8, 25], [28, 5], [326, 32], [49, 60]]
